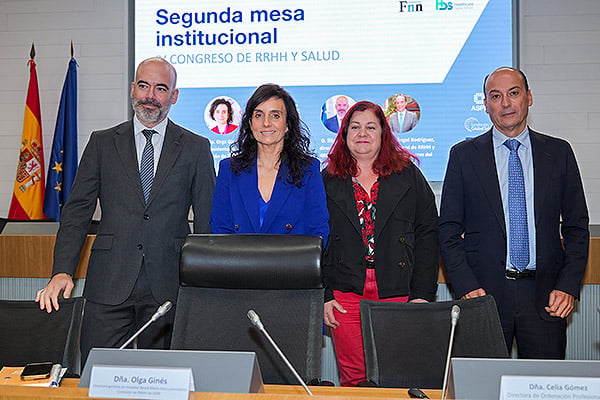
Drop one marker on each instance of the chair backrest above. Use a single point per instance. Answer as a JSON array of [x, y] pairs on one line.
[[278, 276], [406, 344], [29, 334]]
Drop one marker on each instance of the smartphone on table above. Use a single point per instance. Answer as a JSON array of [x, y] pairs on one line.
[[35, 371]]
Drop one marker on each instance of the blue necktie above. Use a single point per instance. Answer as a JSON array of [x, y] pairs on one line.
[[147, 165], [401, 121], [517, 209]]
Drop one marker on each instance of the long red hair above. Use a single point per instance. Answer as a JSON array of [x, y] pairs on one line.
[[392, 156]]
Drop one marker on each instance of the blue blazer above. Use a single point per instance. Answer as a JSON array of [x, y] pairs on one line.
[[295, 210]]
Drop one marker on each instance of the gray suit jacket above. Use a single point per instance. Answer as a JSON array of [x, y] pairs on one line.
[[410, 121], [130, 230]]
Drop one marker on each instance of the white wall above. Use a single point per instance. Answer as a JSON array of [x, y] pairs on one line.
[[560, 53], [98, 29]]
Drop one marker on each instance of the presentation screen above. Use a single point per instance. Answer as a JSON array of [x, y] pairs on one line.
[[422, 61]]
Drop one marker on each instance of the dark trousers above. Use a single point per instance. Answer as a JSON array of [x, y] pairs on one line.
[[535, 337], [110, 326]]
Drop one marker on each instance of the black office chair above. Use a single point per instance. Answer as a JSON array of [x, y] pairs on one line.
[[29, 334], [406, 344], [278, 276]]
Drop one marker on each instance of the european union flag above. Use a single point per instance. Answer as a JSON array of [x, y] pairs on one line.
[[63, 160]]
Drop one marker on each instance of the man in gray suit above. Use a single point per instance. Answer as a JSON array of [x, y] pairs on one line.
[[146, 173], [402, 120]]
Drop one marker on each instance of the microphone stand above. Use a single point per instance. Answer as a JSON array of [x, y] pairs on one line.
[[454, 314], [253, 316], [162, 310]]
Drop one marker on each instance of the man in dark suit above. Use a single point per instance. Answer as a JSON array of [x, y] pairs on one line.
[[146, 173], [504, 207], [341, 107]]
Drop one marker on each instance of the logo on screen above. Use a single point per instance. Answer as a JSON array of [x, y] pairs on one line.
[[443, 5], [410, 6], [472, 124], [478, 104]]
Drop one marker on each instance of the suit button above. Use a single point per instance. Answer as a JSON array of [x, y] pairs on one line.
[[402, 264], [338, 237], [401, 239], [288, 227], [146, 217], [140, 247], [236, 227], [340, 261]]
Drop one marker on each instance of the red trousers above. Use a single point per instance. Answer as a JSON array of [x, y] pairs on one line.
[[347, 338]]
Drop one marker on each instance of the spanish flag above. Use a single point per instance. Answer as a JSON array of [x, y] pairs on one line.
[[28, 193]]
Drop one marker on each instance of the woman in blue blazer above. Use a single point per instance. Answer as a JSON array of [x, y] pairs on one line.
[[271, 184]]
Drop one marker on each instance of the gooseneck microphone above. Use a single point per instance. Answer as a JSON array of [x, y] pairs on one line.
[[454, 314], [254, 318], [161, 311]]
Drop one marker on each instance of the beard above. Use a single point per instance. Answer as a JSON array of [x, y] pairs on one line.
[[150, 116]]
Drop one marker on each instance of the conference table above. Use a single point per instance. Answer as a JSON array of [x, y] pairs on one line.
[[30, 256], [68, 390]]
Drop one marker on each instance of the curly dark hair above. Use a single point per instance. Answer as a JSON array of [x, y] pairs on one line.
[[218, 102], [296, 154]]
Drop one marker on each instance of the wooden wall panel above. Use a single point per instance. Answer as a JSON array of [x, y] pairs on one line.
[[30, 256]]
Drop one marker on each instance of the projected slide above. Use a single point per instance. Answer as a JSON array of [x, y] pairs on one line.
[[423, 61]]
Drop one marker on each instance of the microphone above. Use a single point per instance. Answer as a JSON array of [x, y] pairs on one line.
[[454, 314], [255, 319], [161, 311]]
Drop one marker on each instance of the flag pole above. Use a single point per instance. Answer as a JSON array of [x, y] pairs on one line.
[[63, 158], [28, 191]]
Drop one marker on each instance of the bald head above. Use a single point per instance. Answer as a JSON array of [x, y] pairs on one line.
[[158, 61], [507, 100], [153, 91], [505, 69], [341, 105]]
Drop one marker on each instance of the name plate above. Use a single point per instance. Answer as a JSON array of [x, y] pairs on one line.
[[133, 382], [549, 387]]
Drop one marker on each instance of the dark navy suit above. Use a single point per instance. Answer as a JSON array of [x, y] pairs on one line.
[[332, 124], [473, 230]]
